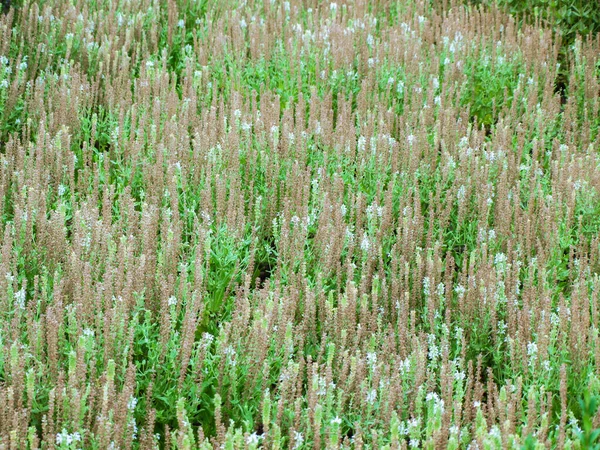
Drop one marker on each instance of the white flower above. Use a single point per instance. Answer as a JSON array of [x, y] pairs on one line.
[[336, 421], [532, 349], [371, 396], [371, 359], [172, 300], [404, 366], [414, 443], [131, 404], [432, 396], [4, 84], [181, 23], [362, 141], [87, 332], [441, 289], [68, 439], [298, 439], [411, 138], [365, 244], [434, 351], [254, 439], [20, 296], [349, 235], [426, 286], [414, 423], [343, 210], [459, 375], [499, 259]]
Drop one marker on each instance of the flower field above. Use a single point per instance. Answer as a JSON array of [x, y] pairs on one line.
[[301, 224]]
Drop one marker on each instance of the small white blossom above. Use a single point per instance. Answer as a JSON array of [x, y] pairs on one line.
[[87, 332], [426, 286], [298, 439], [20, 298], [371, 359], [67, 438], [254, 439], [371, 396], [499, 259], [404, 366], [365, 244], [532, 349], [131, 404]]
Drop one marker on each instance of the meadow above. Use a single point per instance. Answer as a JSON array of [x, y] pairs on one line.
[[298, 224]]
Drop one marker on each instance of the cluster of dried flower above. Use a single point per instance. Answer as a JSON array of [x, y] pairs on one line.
[[299, 224]]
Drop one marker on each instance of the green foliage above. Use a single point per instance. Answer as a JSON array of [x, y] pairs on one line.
[[567, 17], [589, 437]]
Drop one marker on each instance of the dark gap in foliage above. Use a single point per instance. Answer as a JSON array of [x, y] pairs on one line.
[[5, 6], [560, 87], [265, 264]]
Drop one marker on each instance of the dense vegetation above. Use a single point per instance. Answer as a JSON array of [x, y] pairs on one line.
[[300, 224]]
